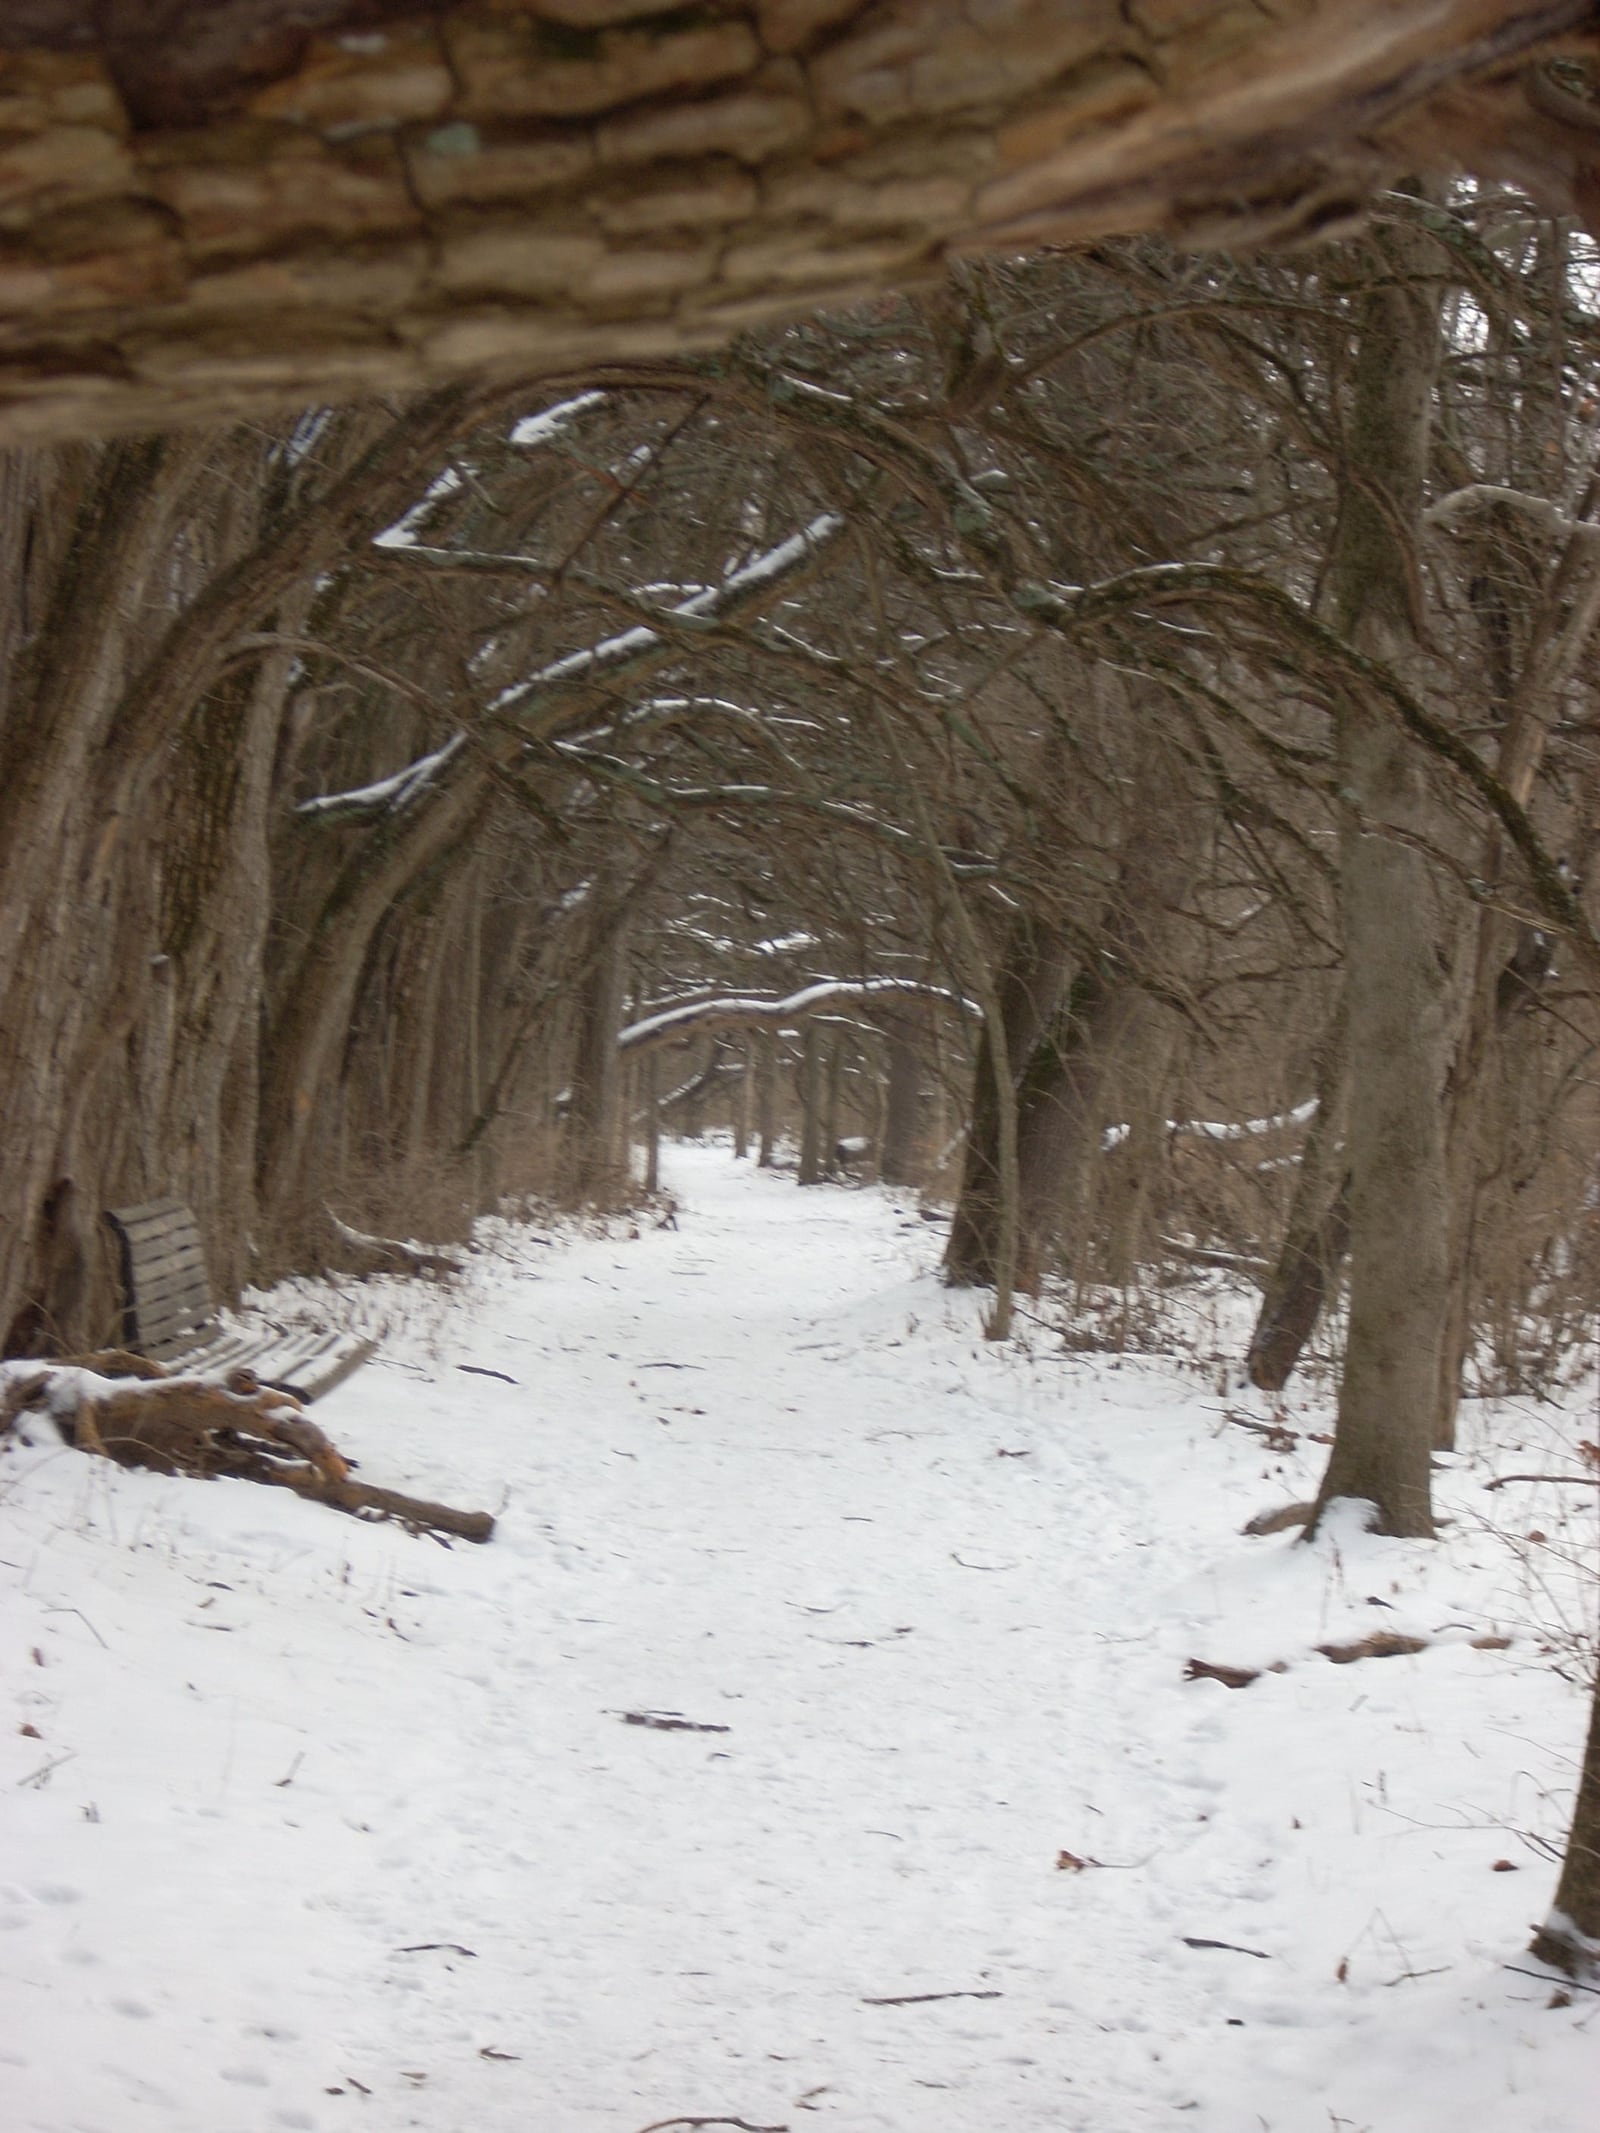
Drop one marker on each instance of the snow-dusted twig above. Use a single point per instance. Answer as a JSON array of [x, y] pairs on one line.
[[706, 607]]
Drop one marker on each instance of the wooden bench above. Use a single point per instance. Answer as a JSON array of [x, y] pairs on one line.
[[169, 1315]]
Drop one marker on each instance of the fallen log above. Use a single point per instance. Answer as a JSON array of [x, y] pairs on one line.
[[199, 1426], [415, 1258], [360, 1498]]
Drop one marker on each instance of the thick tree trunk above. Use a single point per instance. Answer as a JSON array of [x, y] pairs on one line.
[[133, 908], [213, 210], [1318, 1232], [1393, 928]]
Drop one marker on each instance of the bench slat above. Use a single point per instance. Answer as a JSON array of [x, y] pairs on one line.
[[306, 1364], [171, 1317], [150, 1253], [149, 1211], [153, 1229], [175, 1291], [167, 1325], [158, 1321], [173, 1274], [339, 1367]]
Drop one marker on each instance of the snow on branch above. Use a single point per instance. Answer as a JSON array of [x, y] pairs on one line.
[[389, 796], [1485, 496], [540, 429], [1207, 1129], [618, 651], [751, 1010], [403, 533]]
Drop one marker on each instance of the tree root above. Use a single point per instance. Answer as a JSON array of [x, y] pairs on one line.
[[129, 1410]]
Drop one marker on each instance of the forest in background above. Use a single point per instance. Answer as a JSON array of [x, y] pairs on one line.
[[1115, 735]]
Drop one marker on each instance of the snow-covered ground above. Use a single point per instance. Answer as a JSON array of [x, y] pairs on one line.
[[311, 1824]]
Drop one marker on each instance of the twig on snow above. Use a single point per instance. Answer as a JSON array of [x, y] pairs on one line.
[[39, 1778], [1563, 1984], [660, 2125], [1277, 1437], [670, 1722], [1579, 1481], [1228, 1947], [923, 1999], [84, 1619]]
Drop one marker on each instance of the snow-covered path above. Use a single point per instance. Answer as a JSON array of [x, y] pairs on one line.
[[320, 1826]]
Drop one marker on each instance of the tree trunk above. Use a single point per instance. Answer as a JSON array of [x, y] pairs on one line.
[[216, 211], [1318, 1232], [1570, 1936], [741, 1108], [594, 1116], [766, 1097], [1394, 965], [1507, 963], [811, 1100], [833, 1103], [1129, 1176], [1033, 970], [133, 904], [1057, 1105], [1109, 1017], [650, 1069], [901, 1159]]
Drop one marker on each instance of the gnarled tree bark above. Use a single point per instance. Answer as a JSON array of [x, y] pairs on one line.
[[209, 211]]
